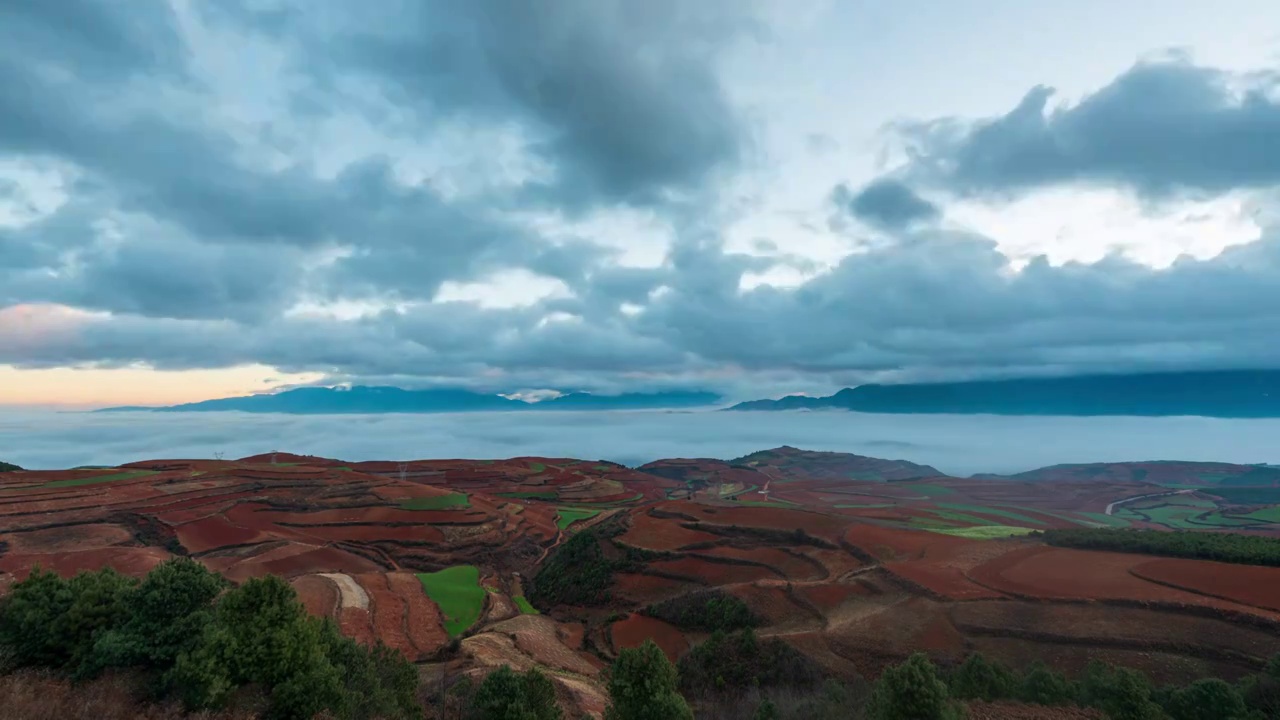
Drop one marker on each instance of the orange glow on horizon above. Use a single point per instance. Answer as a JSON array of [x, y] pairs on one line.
[[98, 387]]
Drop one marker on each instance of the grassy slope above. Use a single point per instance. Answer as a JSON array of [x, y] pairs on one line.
[[569, 516], [129, 475], [458, 593], [439, 502]]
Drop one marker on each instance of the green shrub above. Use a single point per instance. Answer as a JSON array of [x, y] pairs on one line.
[[1208, 699], [508, 695], [979, 679], [1043, 686], [1220, 546], [705, 610], [733, 663], [643, 686], [912, 691], [1121, 693], [50, 622]]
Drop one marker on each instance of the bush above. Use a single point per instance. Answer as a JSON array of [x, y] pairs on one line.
[[1208, 699], [1043, 686], [1220, 546], [979, 679], [507, 695], [643, 686], [47, 621], [732, 663], [912, 691], [204, 645], [1121, 693], [576, 574], [705, 610]]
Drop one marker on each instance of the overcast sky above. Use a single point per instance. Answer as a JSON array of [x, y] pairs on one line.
[[200, 199]]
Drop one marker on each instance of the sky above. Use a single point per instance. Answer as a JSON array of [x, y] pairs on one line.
[[756, 197]]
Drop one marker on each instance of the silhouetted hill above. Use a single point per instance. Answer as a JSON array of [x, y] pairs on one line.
[[7, 467], [1227, 393], [361, 399], [787, 461]]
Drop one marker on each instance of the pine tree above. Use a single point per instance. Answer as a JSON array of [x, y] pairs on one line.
[[643, 686], [912, 691]]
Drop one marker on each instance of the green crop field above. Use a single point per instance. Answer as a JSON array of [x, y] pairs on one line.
[[99, 479], [1106, 519], [956, 517], [542, 495], [986, 532], [928, 490], [1248, 495], [439, 502], [991, 510], [569, 516], [537, 467], [458, 593], [867, 507], [525, 607], [1266, 515]]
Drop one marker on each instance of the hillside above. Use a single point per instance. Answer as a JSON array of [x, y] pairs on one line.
[[1228, 394], [7, 467], [853, 563]]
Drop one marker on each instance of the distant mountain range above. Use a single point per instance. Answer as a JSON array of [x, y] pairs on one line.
[[372, 400], [1226, 393]]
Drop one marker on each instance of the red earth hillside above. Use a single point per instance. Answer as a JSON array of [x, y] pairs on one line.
[[855, 562]]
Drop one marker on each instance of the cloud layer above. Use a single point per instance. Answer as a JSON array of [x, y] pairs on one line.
[[195, 185], [953, 444]]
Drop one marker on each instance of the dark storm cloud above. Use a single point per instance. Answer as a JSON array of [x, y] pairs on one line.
[[935, 305], [1162, 128], [620, 97], [886, 203]]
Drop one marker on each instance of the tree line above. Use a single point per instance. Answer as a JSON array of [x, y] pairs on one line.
[[1198, 545]]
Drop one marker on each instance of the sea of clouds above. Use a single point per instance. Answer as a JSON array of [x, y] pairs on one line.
[[955, 444]]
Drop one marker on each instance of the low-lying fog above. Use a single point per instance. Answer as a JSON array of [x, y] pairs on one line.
[[960, 445]]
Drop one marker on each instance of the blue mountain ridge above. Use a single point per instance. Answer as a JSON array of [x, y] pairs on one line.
[[374, 400], [1216, 393]]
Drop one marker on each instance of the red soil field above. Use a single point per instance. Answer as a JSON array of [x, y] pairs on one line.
[[712, 573], [891, 543], [370, 533], [67, 539], [828, 597], [422, 619], [214, 532], [126, 560], [388, 611], [786, 564], [1060, 573], [1245, 584], [357, 624], [662, 533], [318, 594], [646, 589], [636, 628], [824, 526]]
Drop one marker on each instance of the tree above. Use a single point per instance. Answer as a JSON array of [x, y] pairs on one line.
[[51, 622], [643, 686], [508, 695], [912, 691], [1043, 686], [979, 679], [1121, 693], [167, 614], [766, 710], [1208, 699]]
